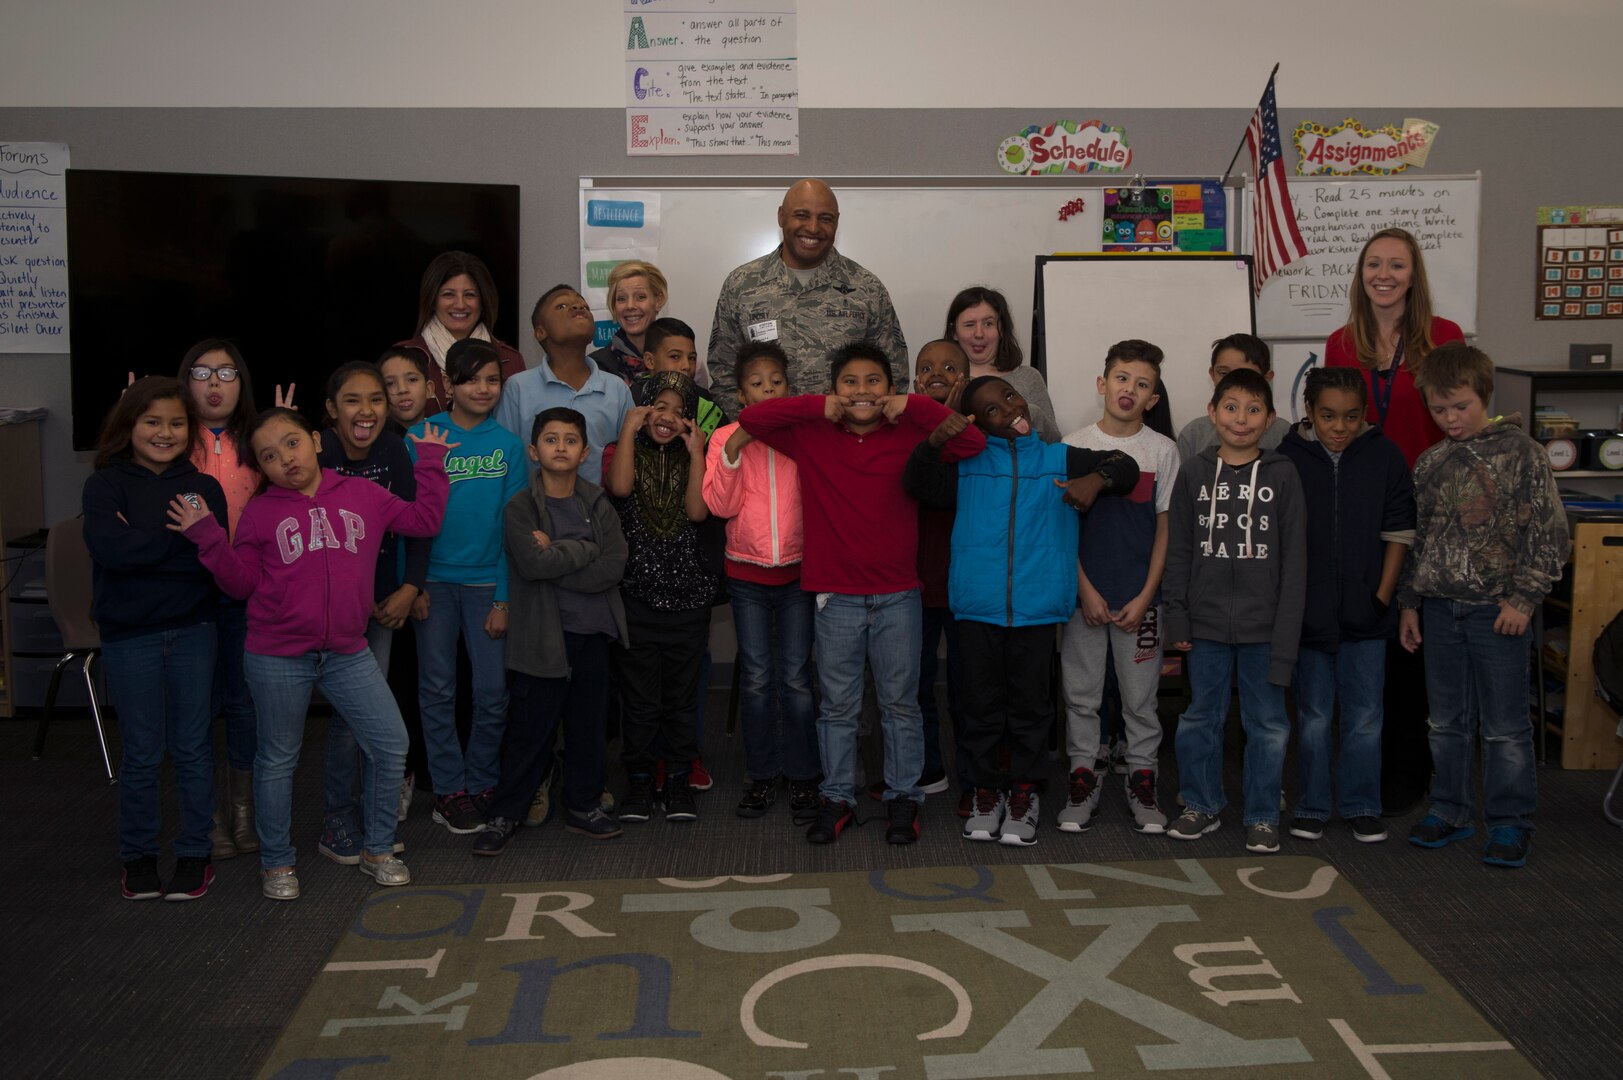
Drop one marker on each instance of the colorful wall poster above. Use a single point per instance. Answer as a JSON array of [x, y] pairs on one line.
[[722, 80], [615, 225], [1349, 148], [1137, 219], [1580, 267], [33, 248], [1088, 146]]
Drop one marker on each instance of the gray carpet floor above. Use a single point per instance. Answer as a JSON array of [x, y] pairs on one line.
[[99, 986]]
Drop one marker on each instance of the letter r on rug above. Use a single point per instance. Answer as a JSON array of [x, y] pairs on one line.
[[1017, 1049]]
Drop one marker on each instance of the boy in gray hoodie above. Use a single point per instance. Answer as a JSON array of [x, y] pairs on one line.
[[1233, 595]]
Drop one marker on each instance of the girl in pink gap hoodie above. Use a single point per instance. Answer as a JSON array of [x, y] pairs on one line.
[[758, 490], [303, 557]]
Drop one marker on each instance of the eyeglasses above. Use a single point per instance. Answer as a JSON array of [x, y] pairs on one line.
[[225, 374]]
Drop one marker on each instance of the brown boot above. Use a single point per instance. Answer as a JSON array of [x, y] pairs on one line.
[[243, 832], [220, 836]]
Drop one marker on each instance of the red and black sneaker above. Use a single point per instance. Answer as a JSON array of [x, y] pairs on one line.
[[191, 881], [139, 879], [903, 827], [833, 818], [699, 778]]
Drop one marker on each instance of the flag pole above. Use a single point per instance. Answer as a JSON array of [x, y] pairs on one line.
[[1237, 149]]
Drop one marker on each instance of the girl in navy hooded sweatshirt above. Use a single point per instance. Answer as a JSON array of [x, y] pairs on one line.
[[155, 607], [304, 556]]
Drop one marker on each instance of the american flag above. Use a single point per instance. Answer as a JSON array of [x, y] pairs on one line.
[[1275, 239]]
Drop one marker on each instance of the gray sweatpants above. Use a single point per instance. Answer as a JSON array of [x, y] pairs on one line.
[[1084, 650]]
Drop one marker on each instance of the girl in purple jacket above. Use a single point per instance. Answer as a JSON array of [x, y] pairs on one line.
[[303, 557]]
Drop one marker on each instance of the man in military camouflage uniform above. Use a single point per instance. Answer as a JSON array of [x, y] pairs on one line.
[[807, 297]]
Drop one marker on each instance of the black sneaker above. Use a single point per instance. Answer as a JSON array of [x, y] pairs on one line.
[[903, 827], [638, 804], [139, 879], [680, 805], [192, 879], [493, 837], [1306, 828], [1367, 830], [1434, 832], [482, 801], [757, 799], [459, 814], [833, 818], [1507, 846], [594, 824], [803, 801]]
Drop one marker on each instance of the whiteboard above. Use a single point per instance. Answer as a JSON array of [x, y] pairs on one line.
[[1181, 303], [924, 239], [1308, 298]]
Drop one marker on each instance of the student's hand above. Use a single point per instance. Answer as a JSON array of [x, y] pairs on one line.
[[433, 436], [284, 401], [1095, 612], [1181, 646], [395, 607], [1409, 629], [119, 514], [893, 405], [542, 540], [184, 514], [1080, 492], [127, 385], [736, 443], [636, 419], [952, 425], [1385, 595], [419, 607], [834, 407], [955, 395], [496, 623], [693, 438], [1511, 621], [1132, 614]]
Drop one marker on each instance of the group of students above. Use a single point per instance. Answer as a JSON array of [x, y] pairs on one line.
[[243, 560]]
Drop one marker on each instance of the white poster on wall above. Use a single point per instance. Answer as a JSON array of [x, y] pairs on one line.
[[33, 248], [722, 80]]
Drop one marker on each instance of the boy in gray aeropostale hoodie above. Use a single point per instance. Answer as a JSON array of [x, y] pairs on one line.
[[1233, 596]]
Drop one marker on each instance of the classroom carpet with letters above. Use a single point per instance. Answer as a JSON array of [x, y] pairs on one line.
[[1213, 967]]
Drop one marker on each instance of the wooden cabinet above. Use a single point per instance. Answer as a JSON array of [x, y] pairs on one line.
[[1576, 615], [22, 511], [1593, 398]]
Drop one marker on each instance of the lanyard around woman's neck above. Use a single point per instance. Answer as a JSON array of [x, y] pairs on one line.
[[1384, 382]]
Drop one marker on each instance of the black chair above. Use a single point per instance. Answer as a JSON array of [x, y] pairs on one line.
[[68, 591]]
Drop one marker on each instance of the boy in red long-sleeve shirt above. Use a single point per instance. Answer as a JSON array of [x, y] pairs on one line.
[[851, 446]]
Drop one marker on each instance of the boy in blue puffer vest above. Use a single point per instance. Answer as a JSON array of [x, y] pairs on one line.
[[1009, 594]]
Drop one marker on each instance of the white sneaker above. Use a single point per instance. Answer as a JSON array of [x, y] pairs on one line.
[[1147, 816], [408, 787], [1082, 799], [985, 815], [1020, 822]]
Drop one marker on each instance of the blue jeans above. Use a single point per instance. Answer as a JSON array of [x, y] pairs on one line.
[[1477, 680], [344, 757], [453, 610], [161, 684], [231, 697], [356, 688], [885, 630], [1353, 675], [1200, 729], [781, 741], [939, 621]]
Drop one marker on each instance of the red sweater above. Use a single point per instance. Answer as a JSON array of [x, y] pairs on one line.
[[1408, 421], [861, 528]]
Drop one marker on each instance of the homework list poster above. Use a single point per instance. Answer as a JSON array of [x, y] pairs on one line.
[[33, 248], [721, 80]]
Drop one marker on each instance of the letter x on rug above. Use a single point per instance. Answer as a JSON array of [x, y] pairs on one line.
[[1181, 968]]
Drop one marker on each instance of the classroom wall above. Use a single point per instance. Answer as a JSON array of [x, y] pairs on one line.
[[1483, 69], [902, 54]]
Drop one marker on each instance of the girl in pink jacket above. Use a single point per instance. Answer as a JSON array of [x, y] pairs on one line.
[[304, 556], [758, 490]]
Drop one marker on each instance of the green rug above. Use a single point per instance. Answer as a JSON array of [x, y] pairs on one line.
[[1189, 967]]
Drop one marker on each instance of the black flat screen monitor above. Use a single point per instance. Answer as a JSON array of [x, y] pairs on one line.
[[302, 273]]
